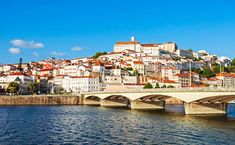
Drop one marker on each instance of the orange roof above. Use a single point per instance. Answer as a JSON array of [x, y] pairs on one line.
[[82, 77], [17, 74], [168, 81], [138, 62], [127, 43], [182, 75], [150, 45], [213, 79], [225, 75]]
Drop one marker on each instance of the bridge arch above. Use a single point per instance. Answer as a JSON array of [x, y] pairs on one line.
[[216, 99], [153, 97]]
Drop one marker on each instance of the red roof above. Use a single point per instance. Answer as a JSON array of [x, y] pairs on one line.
[[17, 74], [127, 43], [138, 62], [150, 45], [213, 79], [46, 70], [168, 81], [225, 75], [82, 77], [182, 75]]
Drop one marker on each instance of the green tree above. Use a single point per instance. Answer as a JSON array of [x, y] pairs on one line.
[[61, 90], [164, 86], [148, 86], [13, 87], [207, 72], [190, 50], [233, 62], [97, 54], [157, 85], [135, 73], [32, 87], [170, 86]]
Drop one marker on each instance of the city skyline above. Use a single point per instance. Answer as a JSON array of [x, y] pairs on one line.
[[68, 29]]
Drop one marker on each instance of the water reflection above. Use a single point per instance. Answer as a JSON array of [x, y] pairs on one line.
[[99, 125]]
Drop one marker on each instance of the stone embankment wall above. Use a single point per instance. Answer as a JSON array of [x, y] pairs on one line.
[[39, 100]]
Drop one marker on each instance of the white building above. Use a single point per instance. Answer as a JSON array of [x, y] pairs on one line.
[[169, 73], [131, 45], [81, 84]]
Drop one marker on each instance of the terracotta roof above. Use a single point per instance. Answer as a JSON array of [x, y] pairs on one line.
[[138, 62], [17, 74], [127, 43], [182, 75], [82, 77], [225, 75], [168, 81], [213, 79], [46, 70], [150, 45]]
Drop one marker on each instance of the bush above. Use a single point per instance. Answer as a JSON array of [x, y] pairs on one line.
[[157, 85], [164, 86], [148, 86], [170, 86]]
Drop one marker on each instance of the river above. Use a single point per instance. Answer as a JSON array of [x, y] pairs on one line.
[[99, 125]]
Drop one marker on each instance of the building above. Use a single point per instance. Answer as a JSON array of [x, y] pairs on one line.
[[130, 45], [184, 53], [169, 73], [81, 84], [139, 67], [227, 79]]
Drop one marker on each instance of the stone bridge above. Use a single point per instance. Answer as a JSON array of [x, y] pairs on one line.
[[195, 101]]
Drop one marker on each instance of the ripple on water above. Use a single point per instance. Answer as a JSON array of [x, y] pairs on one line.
[[98, 125]]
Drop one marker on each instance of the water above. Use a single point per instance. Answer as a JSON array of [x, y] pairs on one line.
[[98, 125]]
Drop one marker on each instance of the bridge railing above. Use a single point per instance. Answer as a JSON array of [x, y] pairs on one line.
[[188, 89]]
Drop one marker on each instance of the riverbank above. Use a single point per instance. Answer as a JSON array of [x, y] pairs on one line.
[[39, 100], [52, 100]]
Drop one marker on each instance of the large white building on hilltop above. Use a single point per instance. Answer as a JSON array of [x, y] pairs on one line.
[[152, 49], [130, 45]]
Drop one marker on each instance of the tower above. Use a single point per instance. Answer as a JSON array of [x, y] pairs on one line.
[[132, 38]]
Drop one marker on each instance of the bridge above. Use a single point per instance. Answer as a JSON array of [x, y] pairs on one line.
[[195, 101]]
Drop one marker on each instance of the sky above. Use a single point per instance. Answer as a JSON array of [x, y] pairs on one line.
[[64, 29]]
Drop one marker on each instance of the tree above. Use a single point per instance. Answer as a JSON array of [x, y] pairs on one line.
[[157, 85], [164, 86], [97, 54], [233, 62], [148, 86], [135, 73], [207, 72], [170, 86], [32, 87], [61, 90], [13, 87], [190, 50]]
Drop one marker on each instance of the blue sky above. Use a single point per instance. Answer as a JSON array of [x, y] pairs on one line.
[[39, 29]]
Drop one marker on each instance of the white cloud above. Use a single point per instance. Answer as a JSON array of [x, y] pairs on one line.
[[35, 54], [58, 53], [26, 44], [77, 48], [14, 50]]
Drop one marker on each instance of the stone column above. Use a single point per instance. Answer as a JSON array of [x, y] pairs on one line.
[[205, 108], [148, 105], [113, 103]]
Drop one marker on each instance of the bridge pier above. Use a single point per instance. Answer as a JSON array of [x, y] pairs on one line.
[[147, 105], [205, 108], [91, 102], [113, 103]]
